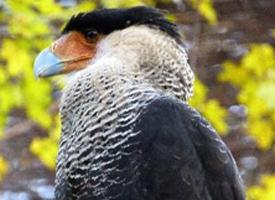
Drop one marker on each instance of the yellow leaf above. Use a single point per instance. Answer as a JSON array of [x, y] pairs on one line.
[[125, 4], [259, 59], [206, 9], [47, 7], [170, 17], [262, 131], [211, 109], [200, 92], [266, 92], [46, 150], [264, 191], [233, 73], [3, 168], [216, 115], [3, 78], [55, 132], [85, 6]]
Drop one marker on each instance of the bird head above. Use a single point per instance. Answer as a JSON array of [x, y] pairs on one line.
[[78, 43], [137, 41]]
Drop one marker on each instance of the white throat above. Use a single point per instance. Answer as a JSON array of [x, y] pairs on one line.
[[148, 54]]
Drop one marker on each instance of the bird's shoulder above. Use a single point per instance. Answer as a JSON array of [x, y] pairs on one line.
[[181, 143]]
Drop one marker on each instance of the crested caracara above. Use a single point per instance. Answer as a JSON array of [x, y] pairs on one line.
[[127, 131]]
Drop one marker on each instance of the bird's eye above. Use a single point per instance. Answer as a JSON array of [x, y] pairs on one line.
[[91, 35]]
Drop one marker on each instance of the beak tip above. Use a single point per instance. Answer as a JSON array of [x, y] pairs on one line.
[[47, 64]]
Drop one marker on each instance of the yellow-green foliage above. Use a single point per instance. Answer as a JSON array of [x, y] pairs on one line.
[[206, 9], [3, 168], [46, 148], [125, 4], [130, 3], [265, 190], [18, 87], [210, 108], [254, 75], [30, 29]]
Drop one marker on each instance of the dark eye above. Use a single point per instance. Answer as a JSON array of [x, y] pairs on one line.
[[91, 35]]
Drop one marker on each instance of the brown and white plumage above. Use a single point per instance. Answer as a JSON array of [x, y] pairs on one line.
[[127, 132]]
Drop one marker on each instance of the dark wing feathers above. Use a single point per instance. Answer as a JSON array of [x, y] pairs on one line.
[[222, 175], [183, 156]]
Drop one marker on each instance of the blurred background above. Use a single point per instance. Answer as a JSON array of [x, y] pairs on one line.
[[231, 45]]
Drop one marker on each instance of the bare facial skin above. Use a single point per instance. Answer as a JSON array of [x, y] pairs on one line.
[[75, 50]]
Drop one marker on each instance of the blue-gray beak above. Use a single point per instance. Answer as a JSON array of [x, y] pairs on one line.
[[47, 64]]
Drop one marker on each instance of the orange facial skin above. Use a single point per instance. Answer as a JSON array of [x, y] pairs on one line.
[[74, 50]]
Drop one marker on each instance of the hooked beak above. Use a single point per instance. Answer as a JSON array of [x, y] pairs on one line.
[[71, 52], [47, 64]]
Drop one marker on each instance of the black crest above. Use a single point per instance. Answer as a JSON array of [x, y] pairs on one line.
[[106, 21]]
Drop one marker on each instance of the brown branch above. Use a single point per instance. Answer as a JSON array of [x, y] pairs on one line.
[[22, 128]]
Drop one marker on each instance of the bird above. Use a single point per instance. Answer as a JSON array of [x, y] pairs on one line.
[[128, 132]]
